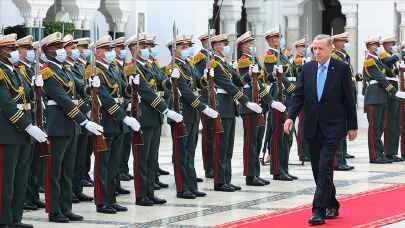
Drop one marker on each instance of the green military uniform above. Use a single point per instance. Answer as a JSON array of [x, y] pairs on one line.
[[15, 143], [151, 107], [376, 98], [228, 83], [391, 123], [207, 137], [63, 117], [279, 142], [252, 139]]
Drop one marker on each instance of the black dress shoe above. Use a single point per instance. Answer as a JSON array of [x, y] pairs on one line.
[[157, 200], [22, 225], [162, 185], [237, 188], [156, 186], [209, 175], [124, 177], [343, 168], [380, 161], [199, 179], [394, 158], [144, 201], [87, 183], [316, 219], [122, 191], [266, 182], [349, 156], [282, 178], [163, 172], [331, 213], [106, 209], [186, 195], [75, 199], [224, 188], [254, 181], [30, 206], [199, 194], [73, 217], [58, 218], [292, 176], [83, 197], [130, 176], [39, 204], [118, 207]]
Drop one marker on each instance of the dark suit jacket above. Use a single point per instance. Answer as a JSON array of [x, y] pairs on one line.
[[335, 113]]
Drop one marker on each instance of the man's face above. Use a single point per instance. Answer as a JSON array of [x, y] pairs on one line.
[[388, 46], [23, 51], [339, 44], [322, 50], [204, 43], [273, 41], [373, 47], [300, 50], [5, 52], [180, 48], [100, 53], [118, 49], [69, 48], [50, 51], [218, 47], [245, 47], [135, 49]]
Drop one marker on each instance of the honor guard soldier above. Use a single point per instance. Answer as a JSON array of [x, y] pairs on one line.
[[152, 106], [390, 57], [252, 125], [16, 126], [279, 71], [26, 70], [63, 121], [85, 53], [376, 99], [341, 44], [207, 135], [299, 59]]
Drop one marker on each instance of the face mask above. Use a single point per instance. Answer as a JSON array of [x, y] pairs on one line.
[[110, 56], [252, 50], [30, 56], [61, 55], [44, 58], [154, 52], [226, 50], [75, 54], [14, 57], [145, 54], [87, 54], [184, 54], [347, 47], [395, 49], [191, 51], [123, 54]]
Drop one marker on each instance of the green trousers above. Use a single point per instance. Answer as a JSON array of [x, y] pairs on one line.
[[207, 144], [191, 144], [223, 156], [80, 164], [126, 151], [251, 164], [375, 116], [14, 169], [179, 160], [34, 175], [392, 127], [59, 172]]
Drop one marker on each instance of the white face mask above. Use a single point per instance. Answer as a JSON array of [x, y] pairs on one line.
[[347, 47], [380, 50], [61, 55], [14, 57]]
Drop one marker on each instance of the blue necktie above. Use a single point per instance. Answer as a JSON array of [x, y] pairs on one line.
[[321, 81]]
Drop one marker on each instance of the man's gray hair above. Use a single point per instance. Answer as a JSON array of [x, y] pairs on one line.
[[324, 36]]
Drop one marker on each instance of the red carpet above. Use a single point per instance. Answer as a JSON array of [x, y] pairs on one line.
[[368, 209]]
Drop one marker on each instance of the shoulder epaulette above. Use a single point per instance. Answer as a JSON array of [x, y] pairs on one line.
[[167, 70], [156, 62], [298, 61], [22, 70], [244, 62], [198, 58], [46, 72], [384, 55], [213, 63], [2, 74], [129, 70], [270, 58], [369, 62], [88, 72]]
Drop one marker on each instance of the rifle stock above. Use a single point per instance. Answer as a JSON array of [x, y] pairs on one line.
[[137, 138]]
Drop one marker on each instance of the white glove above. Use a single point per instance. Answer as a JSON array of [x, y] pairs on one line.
[[175, 73], [134, 79], [132, 123], [211, 113], [254, 107], [211, 73], [278, 106], [38, 81], [95, 82], [176, 117], [93, 127], [129, 107], [235, 65], [88, 114], [400, 94], [279, 68], [254, 69], [36, 133]]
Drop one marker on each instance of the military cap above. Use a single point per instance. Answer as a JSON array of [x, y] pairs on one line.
[[181, 39], [300, 42], [8, 40], [220, 38], [205, 35], [35, 44], [25, 41], [188, 39], [272, 32], [143, 38], [391, 39], [68, 39], [51, 39], [105, 41], [119, 41], [342, 37], [245, 37], [83, 41], [372, 40]]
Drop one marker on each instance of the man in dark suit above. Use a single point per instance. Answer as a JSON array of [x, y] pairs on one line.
[[324, 89]]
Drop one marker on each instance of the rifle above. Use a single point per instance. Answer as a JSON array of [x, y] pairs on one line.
[[402, 105], [212, 100], [260, 121], [179, 128], [100, 143], [44, 148], [280, 87], [137, 138]]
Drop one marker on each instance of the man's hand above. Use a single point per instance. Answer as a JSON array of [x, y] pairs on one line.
[[288, 125], [352, 135]]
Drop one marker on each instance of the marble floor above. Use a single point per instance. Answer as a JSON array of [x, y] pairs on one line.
[[220, 207]]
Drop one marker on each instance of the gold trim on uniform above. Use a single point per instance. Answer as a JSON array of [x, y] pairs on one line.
[[195, 103], [238, 95], [113, 109], [291, 88], [389, 88], [73, 113], [16, 116], [156, 102], [264, 92]]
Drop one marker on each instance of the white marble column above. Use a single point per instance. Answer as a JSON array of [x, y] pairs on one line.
[[349, 9], [230, 15], [33, 11], [81, 12], [293, 30], [256, 16], [401, 10], [120, 10]]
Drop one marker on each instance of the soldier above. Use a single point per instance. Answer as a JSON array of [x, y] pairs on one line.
[[16, 127], [151, 106], [247, 65], [76, 70], [279, 142], [207, 135], [341, 42], [391, 123], [376, 98], [63, 121], [85, 53], [184, 147]]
